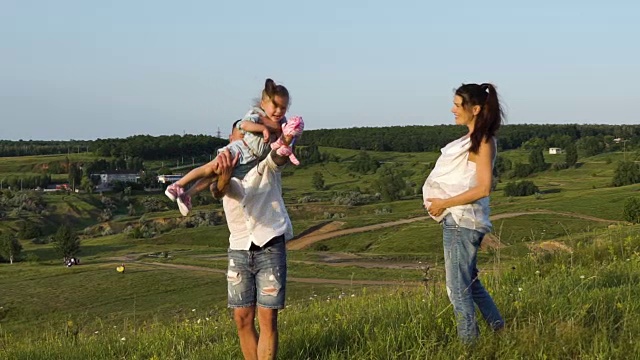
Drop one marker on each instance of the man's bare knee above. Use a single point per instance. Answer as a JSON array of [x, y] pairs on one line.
[[268, 319], [244, 317]]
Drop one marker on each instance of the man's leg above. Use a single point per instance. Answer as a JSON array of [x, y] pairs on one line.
[[247, 333], [271, 282], [268, 343], [241, 297]]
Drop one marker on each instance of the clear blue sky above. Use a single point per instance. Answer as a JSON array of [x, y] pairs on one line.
[[99, 69]]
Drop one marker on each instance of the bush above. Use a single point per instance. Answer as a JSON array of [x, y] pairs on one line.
[[66, 242], [364, 164], [318, 181], [627, 173], [28, 230], [152, 204], [632, 210], [522, 170], [354, 198], [307, 199], [559, 166], [32, 258], [520, 188], [320, 247]]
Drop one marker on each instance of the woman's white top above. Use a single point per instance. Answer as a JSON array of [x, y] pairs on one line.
[[452, 175]]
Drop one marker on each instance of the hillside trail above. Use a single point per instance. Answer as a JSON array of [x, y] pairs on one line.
[[329, 231], [313, 237]]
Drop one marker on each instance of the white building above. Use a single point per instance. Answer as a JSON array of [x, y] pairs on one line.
[[556, 151], [106, 180], [169, 179]]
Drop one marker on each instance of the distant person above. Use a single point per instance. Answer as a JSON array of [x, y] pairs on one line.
[[256, 126], [456, 194], [259, 225]]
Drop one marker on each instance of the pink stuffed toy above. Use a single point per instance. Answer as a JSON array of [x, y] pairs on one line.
[[291, 131]]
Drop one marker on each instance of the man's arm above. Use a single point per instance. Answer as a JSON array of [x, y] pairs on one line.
[[277, 159], [225, 169]]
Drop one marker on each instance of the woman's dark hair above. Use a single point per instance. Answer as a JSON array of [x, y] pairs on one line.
[[271, 90], [489, 119]]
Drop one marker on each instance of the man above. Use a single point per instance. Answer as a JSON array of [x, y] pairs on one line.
[[257, 270]]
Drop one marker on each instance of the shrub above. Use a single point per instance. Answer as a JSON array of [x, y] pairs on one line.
[[632, 210], [520, 188]]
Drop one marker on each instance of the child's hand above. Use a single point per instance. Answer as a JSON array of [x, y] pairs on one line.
[[293, 127], [266, 134]]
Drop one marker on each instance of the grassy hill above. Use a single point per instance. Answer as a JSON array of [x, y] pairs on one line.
[[563, 271], [557, 305]]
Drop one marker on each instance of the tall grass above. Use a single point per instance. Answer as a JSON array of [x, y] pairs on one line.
[[564, 305]]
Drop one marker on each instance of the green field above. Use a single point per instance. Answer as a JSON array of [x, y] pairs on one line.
[[176, 278]]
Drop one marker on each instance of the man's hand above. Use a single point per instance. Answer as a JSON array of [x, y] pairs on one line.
[[224, 171]]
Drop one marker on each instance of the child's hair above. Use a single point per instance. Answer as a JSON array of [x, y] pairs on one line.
[[271, 90], [491, 115], [235, 123]]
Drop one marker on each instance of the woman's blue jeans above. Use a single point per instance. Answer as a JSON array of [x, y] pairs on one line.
[[463, 286]]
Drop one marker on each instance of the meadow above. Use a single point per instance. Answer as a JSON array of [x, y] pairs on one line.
[[562, 265]]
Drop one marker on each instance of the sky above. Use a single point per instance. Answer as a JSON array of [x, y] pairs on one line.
[[103, 69]]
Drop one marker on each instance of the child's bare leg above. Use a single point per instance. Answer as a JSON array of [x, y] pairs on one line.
[[204, 171], [200, 185]]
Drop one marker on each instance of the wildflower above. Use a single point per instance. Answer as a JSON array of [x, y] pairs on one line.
[[581, 276], [519, 289], [95, 332], [123, 339], [537, 272], [199, 321], [206, 318], [193, 310], [353, 295]]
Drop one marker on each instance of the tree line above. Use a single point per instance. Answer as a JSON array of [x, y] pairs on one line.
[[142, 146], [432, 138], [41, 147], [414, 138]]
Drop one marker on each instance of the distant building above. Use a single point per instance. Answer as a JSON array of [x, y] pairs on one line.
[[556, 151], [618, 140], [108, 179], [169, 179]]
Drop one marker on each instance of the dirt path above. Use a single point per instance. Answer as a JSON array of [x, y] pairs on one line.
[[330, 230], [319, 235], [305, 241]]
